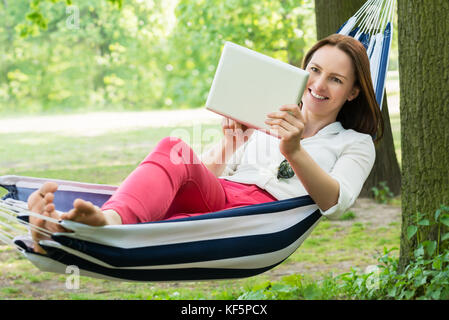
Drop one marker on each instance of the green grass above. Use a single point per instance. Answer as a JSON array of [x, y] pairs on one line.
[[333, 247]]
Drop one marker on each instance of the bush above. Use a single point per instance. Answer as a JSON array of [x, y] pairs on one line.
[[425, 278], [382, 194]]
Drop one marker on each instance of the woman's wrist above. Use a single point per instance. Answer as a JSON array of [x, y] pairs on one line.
[[229, 145], [295, 153]]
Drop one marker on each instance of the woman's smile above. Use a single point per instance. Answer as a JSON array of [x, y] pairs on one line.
[[317, 96]]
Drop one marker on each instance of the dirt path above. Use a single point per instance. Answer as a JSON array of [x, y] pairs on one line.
[[96, 123]]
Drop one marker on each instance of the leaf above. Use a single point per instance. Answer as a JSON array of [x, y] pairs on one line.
[[312, 292], [437, 264], [436, 294], [444, 294], [445, 220], [253, 295], [420, 280], [445, 236], [392, 292], [409, 294], [437, 214], [424, 222], [411, 231], [430, 247], [279, 287], [419, 251]]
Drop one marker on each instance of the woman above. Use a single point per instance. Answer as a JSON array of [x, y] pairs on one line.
[[325, 149]]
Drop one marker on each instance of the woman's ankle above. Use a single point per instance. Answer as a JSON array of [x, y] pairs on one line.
[[112, 217]]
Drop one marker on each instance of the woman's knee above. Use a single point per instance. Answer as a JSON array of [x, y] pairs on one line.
[[178, 151], [169, 142]]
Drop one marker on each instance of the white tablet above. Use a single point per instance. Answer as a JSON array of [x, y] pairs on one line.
[[248, 85]]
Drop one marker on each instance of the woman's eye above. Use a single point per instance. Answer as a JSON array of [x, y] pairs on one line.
[[336, 80], [314, 69]]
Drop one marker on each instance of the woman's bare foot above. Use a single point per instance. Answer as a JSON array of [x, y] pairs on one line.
[[87, 213], [41, 201]]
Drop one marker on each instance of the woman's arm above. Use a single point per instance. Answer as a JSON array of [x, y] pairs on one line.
[[288, 124], [215, 158], [321, 187], [234, 136]]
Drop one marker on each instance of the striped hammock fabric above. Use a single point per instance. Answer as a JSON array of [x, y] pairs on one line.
[[233, 243]]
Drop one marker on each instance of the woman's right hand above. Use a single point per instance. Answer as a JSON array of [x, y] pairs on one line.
[[235, 133]]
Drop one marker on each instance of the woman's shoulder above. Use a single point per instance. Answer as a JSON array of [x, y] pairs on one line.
[[355, 136], [357, 142]]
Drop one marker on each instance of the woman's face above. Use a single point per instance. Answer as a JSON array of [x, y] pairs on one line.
[[330, 84]]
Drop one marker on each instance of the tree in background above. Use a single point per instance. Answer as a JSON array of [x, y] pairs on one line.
[[36, 20], [330, 15], [424, 76], [90, 56]]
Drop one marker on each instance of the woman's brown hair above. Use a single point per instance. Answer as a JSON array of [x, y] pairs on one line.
[[363, 113]]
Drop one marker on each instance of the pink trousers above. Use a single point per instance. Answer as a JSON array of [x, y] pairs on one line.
[[171, 182]]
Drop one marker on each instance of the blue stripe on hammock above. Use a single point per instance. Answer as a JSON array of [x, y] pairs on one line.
[[195, 251], [184, 274], [261, 208]]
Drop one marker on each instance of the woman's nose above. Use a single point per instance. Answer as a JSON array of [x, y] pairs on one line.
[[320, 83]]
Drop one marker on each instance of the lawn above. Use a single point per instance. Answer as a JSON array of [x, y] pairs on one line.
[[334, 246]]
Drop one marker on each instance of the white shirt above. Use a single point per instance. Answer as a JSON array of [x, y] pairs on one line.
[[347, 155]]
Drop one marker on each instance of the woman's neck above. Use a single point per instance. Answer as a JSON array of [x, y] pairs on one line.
[[314, 124]]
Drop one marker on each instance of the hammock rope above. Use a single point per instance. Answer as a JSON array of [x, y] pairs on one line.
[[372, 25]]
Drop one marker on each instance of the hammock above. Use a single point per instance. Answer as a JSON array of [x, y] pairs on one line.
[[233, 243]]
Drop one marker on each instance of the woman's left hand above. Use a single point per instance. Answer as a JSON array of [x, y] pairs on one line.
[[288, 124]]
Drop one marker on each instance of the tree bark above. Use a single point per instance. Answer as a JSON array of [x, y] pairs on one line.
[[424, 107], [330, 15]]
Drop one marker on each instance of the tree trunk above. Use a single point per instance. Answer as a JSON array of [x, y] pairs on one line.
[[386, 167], [330, 15], [424, 78]]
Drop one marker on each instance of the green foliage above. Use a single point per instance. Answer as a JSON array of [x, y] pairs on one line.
[[36, 21], [293, 287], [382, 194], [427, 275], [65, 55], [349, 215], [425, 278]]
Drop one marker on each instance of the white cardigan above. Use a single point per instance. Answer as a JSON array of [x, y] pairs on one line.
[[348, 156]]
